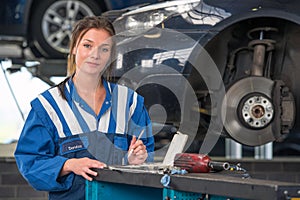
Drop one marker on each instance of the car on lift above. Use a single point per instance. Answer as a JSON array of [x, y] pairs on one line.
[[239, 57], [45, 26]]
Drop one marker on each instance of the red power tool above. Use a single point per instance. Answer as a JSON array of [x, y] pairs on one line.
[[198, 163]]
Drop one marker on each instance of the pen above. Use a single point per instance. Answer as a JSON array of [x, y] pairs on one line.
[[139, 137]]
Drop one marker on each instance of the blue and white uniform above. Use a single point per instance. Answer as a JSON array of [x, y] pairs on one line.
[[57, 129]]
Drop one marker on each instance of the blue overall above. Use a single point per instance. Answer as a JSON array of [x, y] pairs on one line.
[[57, 129]]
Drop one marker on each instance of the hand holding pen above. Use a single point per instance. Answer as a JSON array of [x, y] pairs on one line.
[[137, 153]]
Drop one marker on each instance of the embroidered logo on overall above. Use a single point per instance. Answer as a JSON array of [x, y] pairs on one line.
[[72, 145]]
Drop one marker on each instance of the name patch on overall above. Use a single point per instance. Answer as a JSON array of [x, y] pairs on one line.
[[72, 146]]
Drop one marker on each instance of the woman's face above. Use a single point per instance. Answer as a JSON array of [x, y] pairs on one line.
[[93, 51]]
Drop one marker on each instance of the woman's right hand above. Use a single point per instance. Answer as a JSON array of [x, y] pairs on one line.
[[82, 167]]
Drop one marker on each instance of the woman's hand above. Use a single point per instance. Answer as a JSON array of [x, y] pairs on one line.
[[137, 153], [82, 167]]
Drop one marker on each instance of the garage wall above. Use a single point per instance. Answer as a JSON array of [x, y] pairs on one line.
[[13, 186]]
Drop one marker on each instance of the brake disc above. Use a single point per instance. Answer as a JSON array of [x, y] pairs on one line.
[[248, 111]]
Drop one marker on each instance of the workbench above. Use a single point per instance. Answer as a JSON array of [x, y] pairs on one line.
[[141, 184]]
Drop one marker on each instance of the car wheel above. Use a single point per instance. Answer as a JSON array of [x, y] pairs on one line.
[[51, 25]]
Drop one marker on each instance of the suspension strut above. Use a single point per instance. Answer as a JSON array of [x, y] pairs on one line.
[[260, 45]]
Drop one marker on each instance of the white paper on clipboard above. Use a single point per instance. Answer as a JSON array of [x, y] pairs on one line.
[[176, 146]]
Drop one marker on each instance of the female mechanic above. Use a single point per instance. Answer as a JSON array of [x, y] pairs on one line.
[[85, 122]]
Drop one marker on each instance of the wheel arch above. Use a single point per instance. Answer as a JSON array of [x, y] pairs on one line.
[[208, 41], [268, 13]]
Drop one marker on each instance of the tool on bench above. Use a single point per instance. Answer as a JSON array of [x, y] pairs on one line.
[[197, 163], [200, 163]]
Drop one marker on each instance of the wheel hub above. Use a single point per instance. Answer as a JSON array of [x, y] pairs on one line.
[[67, 26], [257, 111]]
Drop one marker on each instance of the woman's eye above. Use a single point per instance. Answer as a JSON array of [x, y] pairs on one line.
[[105, 49], [87, 46]]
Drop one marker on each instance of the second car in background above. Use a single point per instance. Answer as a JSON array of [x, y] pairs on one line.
[[45, 25]]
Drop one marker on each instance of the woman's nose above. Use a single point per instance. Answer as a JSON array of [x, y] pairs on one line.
[[96, 53]]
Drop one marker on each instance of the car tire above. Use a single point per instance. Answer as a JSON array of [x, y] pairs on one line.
[[51, 25]]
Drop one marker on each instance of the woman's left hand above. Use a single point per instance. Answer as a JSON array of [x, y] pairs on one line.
[[137, 153]]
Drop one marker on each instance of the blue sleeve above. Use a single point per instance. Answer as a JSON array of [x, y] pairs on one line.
[[36, 157], [140, 120]]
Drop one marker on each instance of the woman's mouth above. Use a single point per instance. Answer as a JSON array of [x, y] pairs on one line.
[[93, 64]]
